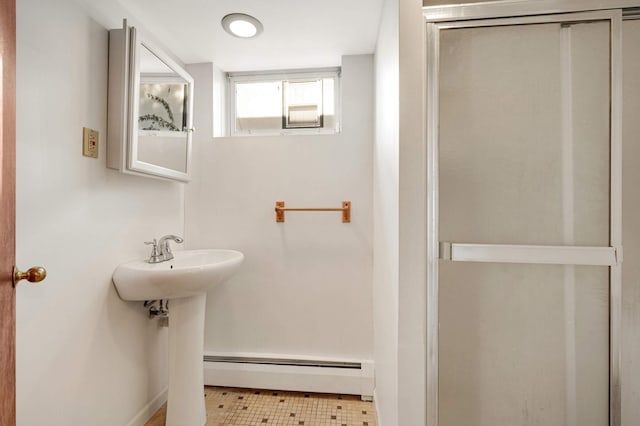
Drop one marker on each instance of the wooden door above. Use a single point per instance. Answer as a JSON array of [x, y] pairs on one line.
[[7, 212]]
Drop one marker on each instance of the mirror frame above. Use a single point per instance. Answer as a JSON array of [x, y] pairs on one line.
[[133, 162]]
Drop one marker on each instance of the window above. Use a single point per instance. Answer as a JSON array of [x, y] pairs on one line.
[[284, 102]]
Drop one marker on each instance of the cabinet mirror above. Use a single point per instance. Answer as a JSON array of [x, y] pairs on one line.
[[150, 108]]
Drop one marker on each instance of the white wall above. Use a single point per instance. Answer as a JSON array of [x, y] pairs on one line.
[[305, 286], [84, 357], [386, 200], [400, 216], [412, 298], [219, 102]]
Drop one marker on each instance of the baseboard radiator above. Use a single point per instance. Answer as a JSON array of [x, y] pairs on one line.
[[281, 372]]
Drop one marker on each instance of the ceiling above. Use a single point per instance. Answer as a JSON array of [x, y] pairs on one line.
[[297, 33]]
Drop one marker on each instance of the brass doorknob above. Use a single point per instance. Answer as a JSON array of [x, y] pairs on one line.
[[33, 275]]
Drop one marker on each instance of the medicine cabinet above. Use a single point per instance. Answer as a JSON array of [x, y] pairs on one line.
[[150, 108]]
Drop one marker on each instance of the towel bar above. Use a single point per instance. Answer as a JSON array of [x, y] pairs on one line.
[[345, 209]]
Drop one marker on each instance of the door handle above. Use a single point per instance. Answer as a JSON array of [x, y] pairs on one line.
[[33, 275]]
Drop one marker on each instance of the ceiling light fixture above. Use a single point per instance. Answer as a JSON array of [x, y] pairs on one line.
[[241, 25]]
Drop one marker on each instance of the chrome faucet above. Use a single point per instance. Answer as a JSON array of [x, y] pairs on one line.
[[161, 251], [165, 249]]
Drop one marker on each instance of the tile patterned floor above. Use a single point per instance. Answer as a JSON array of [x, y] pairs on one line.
[[258, 407]]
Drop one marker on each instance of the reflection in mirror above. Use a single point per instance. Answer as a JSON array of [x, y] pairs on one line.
[[162, 114], [162, 107], [162, 95]]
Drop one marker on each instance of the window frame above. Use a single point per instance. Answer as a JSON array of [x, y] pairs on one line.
[[234, 78]]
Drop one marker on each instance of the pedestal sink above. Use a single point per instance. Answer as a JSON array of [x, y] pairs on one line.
[[183, 280]]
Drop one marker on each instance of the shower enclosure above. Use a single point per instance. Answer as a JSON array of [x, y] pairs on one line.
[[525, 252]]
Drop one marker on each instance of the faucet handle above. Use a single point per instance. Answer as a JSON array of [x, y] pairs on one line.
[[154, 257], [154, 242]]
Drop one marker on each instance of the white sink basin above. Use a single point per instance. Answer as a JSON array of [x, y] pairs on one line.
[[184, 280], [189, 273]]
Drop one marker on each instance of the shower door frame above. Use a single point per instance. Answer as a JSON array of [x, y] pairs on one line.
[[448, 17]]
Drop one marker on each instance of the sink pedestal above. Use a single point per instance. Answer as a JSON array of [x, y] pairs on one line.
[[184, 281], [185, 405]]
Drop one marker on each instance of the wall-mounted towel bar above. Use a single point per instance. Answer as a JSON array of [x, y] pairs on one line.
[[345, 209]]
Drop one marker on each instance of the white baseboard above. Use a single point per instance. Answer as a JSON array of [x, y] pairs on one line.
[[149, 410], [281, 376]]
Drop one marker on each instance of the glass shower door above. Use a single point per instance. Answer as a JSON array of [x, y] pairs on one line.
[[527, 221]]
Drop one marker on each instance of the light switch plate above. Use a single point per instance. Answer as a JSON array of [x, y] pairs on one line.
[[89, 142]]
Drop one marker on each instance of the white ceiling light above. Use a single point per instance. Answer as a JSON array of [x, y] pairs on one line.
[[241, 25]]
